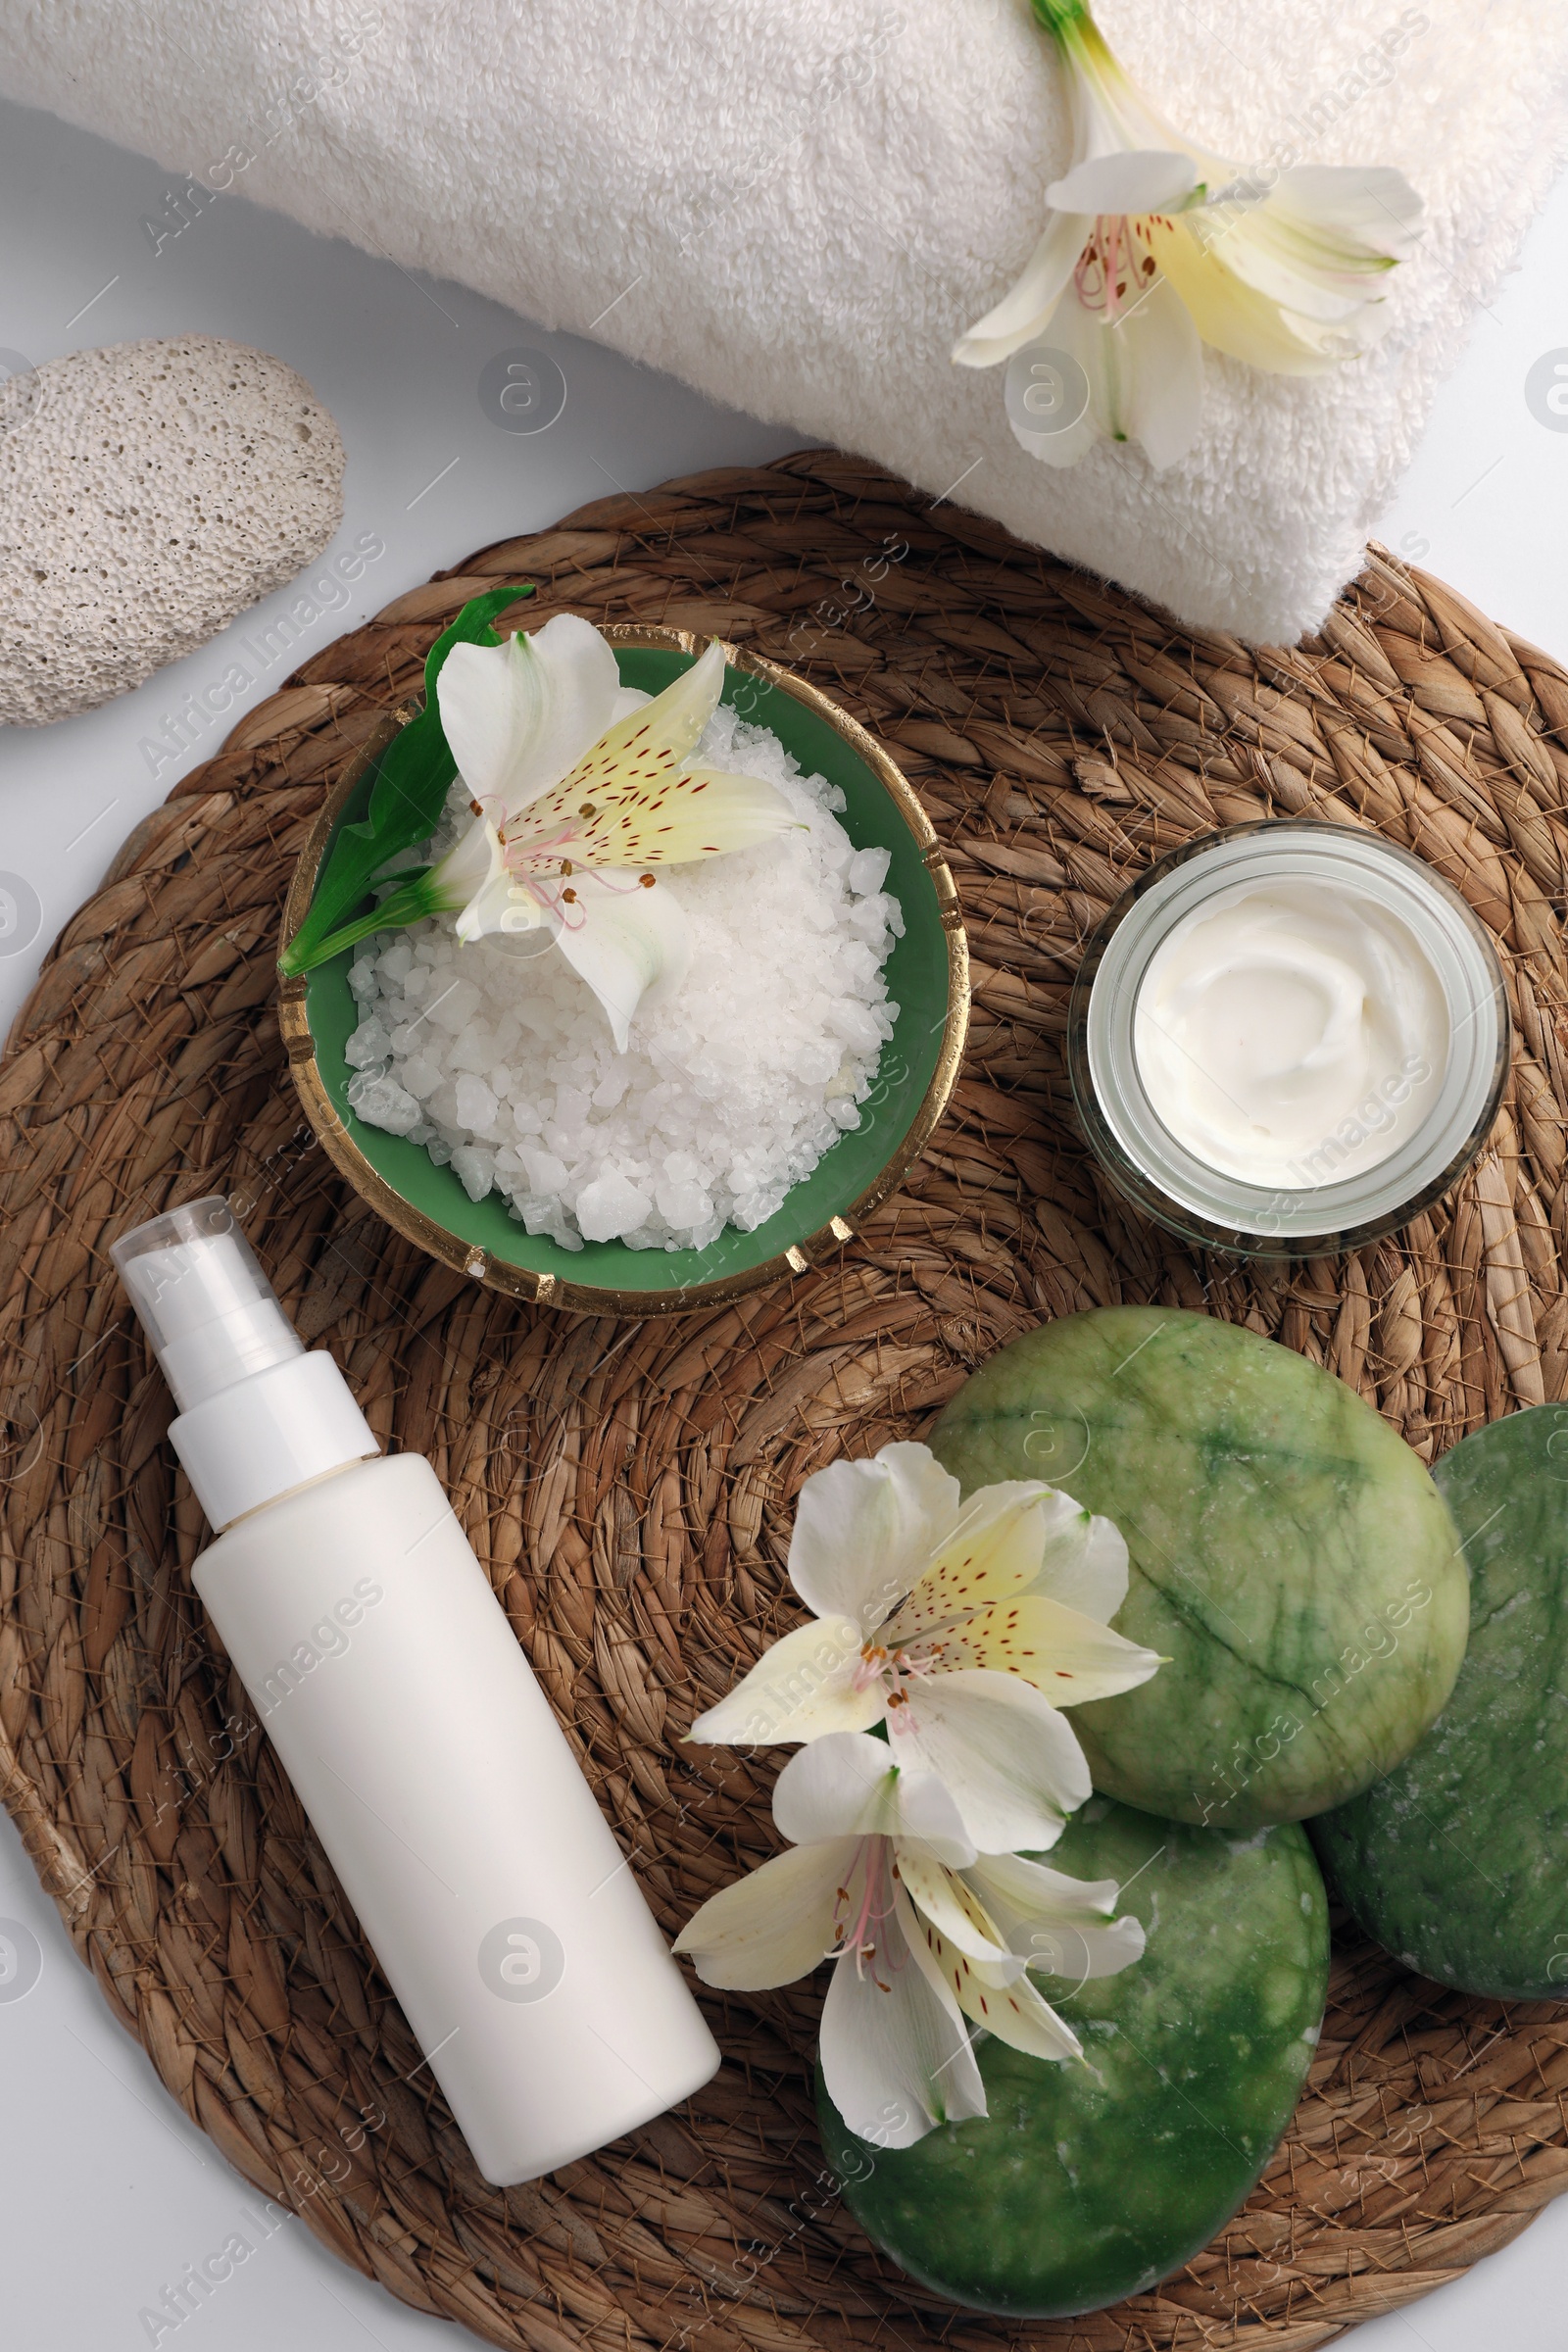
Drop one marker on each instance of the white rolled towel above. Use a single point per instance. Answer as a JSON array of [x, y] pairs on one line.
[[799, 204]]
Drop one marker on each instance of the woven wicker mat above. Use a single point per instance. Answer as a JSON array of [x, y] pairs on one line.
[[630, 1487]]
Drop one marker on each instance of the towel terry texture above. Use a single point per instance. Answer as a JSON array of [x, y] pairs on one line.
[[796, 206]]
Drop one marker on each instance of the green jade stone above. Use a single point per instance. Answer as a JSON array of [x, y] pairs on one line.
[[1092, 2180], [1457, 1863], [1289, 1555]]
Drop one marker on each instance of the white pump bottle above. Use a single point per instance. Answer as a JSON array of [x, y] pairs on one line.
[[383, 1670]]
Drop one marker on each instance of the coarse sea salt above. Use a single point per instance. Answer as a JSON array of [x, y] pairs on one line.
[[734, 1083]]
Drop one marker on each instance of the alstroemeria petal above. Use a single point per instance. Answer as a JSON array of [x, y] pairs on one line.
[[955, 1910], [1163, 362], [1003, 2002], [1227, 313], [1024, 310], [1329, 291], [472, 862], [667, 727], [896, 2055], [864, 1531], [1015, 1889], [496, 903], [1083, 1563], [1077, 1954], [520, 715], [624, 941], [650, 742], [800, 1689], [1311, 249], [1293, 282], [1069, 330], [994, 1550], [1020, 2015], [1012, 1764], [617, 823], [628, 803], [1145, 373], [849, 1782], [1055, 1923], [1137, 180], [775, 1924], [1068, 1657], [705, 814], [1369, 205]]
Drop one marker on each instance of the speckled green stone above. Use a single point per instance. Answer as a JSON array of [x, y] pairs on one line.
[[1086, 2182], [1291, 1557], [1457, 1863]]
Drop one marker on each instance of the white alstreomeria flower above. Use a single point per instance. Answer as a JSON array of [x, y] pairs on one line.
[[580, 790], [926, 1932], [964, 1629], [1153, 245]]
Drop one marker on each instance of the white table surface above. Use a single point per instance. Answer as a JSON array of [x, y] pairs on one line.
[[107, 2193]]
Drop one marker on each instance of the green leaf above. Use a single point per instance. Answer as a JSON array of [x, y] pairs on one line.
[[413, 777]]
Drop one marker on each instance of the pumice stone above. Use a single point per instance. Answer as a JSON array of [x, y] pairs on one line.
[[148, 493]]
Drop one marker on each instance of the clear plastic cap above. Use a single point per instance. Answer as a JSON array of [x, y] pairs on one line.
[[204, 1301]]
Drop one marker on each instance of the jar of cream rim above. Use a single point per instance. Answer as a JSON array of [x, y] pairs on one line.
[[1288, 1037]]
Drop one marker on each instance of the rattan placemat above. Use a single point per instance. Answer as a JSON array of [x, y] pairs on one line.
[[629, 1486]]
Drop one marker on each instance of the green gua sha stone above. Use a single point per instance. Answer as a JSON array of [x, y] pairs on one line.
[[1457, 1863], [1289, 1555], [1092, 2180]]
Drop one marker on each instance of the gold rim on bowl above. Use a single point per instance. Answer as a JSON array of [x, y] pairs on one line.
[[552, 1290]]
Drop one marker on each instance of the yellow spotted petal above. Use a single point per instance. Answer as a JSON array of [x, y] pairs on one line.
[[1068, 1657], [1016, 2012], [996, 1550], [631, 801], [670, 725], [1020, 2015], [628, 819], [955, 1911]]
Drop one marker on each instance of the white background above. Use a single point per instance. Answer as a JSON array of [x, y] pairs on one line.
[[107, 2193]]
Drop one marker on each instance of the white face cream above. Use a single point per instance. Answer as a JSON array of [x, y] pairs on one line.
[[1286, 1038], [1287, 1032]]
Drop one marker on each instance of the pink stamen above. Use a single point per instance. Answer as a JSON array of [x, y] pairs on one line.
[[553, 898], [1116, 262], [532, 846], [895, 1668], [875, 1908], [545, 889], [925, 1664]]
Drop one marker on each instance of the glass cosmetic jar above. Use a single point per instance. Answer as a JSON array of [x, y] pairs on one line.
[[1287, 1039]]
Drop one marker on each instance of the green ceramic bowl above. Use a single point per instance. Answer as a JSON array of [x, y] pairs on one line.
[[927, 977]]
